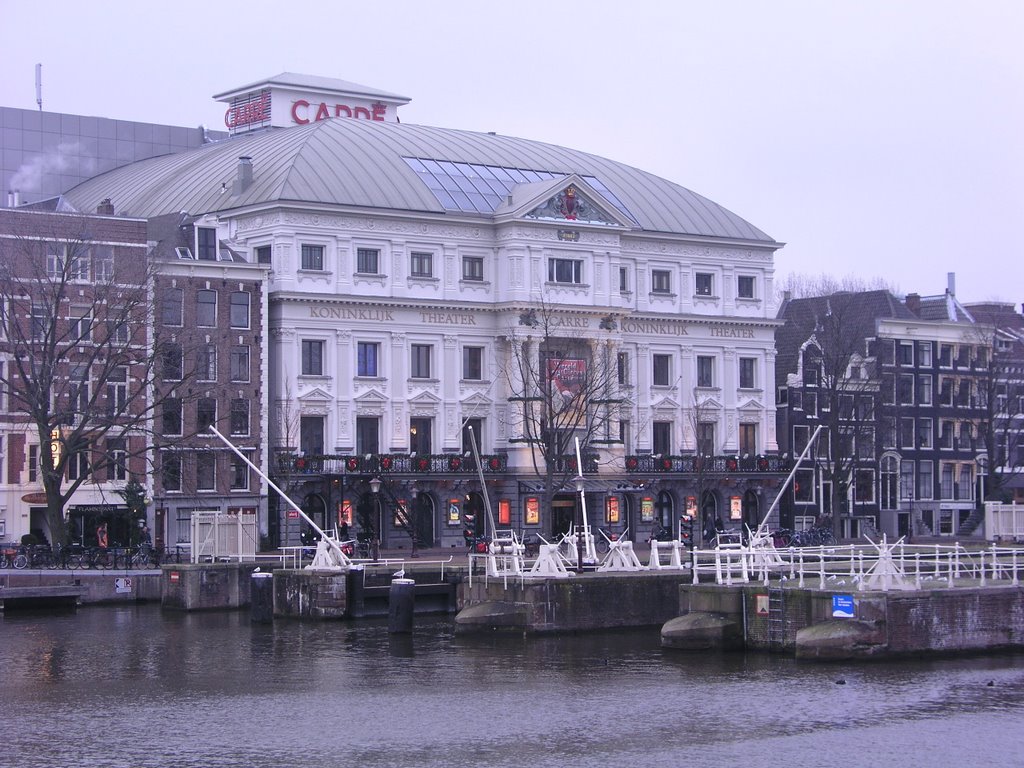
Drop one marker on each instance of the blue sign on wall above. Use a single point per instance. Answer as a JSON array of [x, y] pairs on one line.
[[842, 606]]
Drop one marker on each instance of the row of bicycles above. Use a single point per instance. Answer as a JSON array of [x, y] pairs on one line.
[[820, 536], [38, 556]]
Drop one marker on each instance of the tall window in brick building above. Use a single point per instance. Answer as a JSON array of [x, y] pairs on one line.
[[206, 414], [206, 309], [240, 309]]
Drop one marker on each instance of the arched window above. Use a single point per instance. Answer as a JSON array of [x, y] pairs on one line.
[[663, 509]]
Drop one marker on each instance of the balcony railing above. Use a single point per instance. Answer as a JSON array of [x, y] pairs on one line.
[[723, 465], [387, 464]]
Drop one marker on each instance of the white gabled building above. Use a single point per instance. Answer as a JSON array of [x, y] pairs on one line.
[[403, 260]]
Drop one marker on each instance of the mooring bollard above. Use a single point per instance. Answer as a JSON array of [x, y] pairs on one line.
[[401, 601], [261, 601]]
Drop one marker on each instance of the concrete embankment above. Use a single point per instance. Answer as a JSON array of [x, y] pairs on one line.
[[91, 586]]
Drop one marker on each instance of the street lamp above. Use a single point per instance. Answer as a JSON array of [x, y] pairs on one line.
[[375, 541], [583, 522]]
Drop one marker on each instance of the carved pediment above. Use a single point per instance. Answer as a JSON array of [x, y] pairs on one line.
[[315, 396]]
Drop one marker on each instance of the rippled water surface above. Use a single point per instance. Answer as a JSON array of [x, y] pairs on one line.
[[136, 686]]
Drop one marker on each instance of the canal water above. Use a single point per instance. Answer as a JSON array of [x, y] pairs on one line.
[[136, 686]]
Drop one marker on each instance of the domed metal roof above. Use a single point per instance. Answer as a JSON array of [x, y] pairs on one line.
[[367, 164]]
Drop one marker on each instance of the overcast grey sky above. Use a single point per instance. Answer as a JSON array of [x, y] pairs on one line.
[[876, 138]]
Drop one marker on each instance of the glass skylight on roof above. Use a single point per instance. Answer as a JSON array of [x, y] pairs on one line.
[[474, 188]]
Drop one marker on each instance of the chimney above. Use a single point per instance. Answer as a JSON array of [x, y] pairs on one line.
[[244, 179], [951, 283], [105, 208], [913, 302], [10, 199], [16, 201]]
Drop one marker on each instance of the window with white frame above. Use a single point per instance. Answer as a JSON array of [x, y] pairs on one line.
[[311, 257], [170, 471], [623, 279], [78, 463], [419, 367], [239, 316], [206, 362], [745, 286], [171, 416], [705, 371], [117, 390], [240, 363], [703, 284], [661, 369], [239, 416], [473, 268], [206, 414], [206, 243], [206, 309], [117, 456], [103, 263], [206, 471], [565, 271], [312, 357], [421, 264], [33, 463], [239, 474], [367, 353], [748, 368], [473, 363], [661, 281], [264, 254], [172, 303], [368, 261], [80, 325]]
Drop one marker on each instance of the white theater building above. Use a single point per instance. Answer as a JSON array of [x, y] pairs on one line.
[[403, 258]]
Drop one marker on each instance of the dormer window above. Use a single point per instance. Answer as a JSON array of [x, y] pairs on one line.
[[206, 243]]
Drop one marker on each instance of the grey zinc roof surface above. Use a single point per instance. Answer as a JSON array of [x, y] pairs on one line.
[[316, 83], [360, 163]]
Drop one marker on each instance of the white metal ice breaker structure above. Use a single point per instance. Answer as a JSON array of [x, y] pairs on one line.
[[329, 555]]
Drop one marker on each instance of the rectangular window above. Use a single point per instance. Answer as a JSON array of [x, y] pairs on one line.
[[206, 414], [906, 479], [801, 435], [747, 368], [170, 471], [103, 263], [206, 309], [239, 474], [172, 302], [421, 264], [367, 435], [55, 266], [240, 363], [946, 355], [622, 368], [473, 268], [367, 261], [905, 389], [965, 491], [477, 426], [420, 363], [565, 271], [703, 284], [39, 321], [206, 362], [312, 257], [473, 363], [311, 435], [946, 432], [312, 357], [78, 266], [80, 325], [924, 390], [925, 480], [171, 417], [924, 354], [33, 463], [662, 364], [206, 243], [748, 439], [264, 254], [117, 456], [366, 364], [623, 280], [864, 486], [419, 436], [905, 353], [239, 423], [240, 309], [865, 443], [924, 433], [745, 287], [906, 432], [117, 391], [810, 403], [705, 371], [78, 389], [206, 471], [661, 281], [662, 443], [78, 464], [706, 438], [888, 431]]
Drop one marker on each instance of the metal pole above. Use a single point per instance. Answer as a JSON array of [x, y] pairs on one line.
[[483, 484]]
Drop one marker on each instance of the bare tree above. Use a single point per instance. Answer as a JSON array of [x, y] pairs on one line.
[[562, 388], [801, 286], [81, 371]]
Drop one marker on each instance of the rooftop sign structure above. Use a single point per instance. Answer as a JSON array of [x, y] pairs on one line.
[[291, 99]]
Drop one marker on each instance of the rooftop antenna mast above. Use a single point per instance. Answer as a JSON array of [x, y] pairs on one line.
[[39, 86]]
